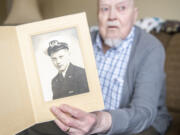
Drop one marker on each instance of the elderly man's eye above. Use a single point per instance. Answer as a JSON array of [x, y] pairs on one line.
[[104, 9], [122, 8]]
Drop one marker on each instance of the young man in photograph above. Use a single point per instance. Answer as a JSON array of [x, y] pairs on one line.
[[71, 79]]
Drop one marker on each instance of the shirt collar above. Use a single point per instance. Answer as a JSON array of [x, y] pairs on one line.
[[98, 41], [123, 45]]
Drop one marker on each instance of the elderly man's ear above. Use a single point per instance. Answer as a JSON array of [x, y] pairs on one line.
[[135, 14]]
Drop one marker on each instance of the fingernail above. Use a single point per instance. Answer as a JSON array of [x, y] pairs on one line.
[[53, 108]]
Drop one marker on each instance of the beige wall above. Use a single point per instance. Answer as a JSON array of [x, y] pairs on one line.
[[166, 9], [54, 8]]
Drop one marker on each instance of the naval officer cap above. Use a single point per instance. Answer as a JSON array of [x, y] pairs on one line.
[[55, 46]]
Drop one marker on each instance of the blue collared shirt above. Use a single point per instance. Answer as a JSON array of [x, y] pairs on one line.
[[111, 68]]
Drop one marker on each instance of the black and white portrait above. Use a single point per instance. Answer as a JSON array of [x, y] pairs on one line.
[[60, 64]]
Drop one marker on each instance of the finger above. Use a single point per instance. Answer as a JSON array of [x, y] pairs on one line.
[[86, 120], [66, 119], [61, 125], [71, 131], [76, 113]]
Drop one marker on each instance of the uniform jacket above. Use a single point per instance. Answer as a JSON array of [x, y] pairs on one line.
[[74, 82]]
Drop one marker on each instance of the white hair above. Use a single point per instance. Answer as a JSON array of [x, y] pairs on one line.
[[112, 42]]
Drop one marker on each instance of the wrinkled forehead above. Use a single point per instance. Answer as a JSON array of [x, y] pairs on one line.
[[114, 1]]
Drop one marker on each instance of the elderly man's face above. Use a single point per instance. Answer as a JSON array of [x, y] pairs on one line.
[[60, 59], [116, 18]]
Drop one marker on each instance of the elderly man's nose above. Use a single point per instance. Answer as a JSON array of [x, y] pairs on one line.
[[112, 14]]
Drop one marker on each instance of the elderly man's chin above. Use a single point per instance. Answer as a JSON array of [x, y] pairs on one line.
[[113, 43]]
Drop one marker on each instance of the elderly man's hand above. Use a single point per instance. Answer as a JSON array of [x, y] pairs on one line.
[[77, 122]]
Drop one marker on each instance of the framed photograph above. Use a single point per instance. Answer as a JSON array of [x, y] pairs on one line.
[[42, 69], [60, 64], [53, 64]]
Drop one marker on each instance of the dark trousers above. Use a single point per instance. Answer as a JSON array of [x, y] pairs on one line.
[[149, 131], [50, 128]]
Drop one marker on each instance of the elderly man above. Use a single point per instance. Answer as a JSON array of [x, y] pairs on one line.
[[131, 70], [71, 79]]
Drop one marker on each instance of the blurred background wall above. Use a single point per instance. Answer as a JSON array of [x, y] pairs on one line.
[[2, 10], [166, 9], [54, 8]]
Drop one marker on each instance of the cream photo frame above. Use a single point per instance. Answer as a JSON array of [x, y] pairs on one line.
[[22, 100]]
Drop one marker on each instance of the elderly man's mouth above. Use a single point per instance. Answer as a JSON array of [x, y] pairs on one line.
[[112, 27]]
